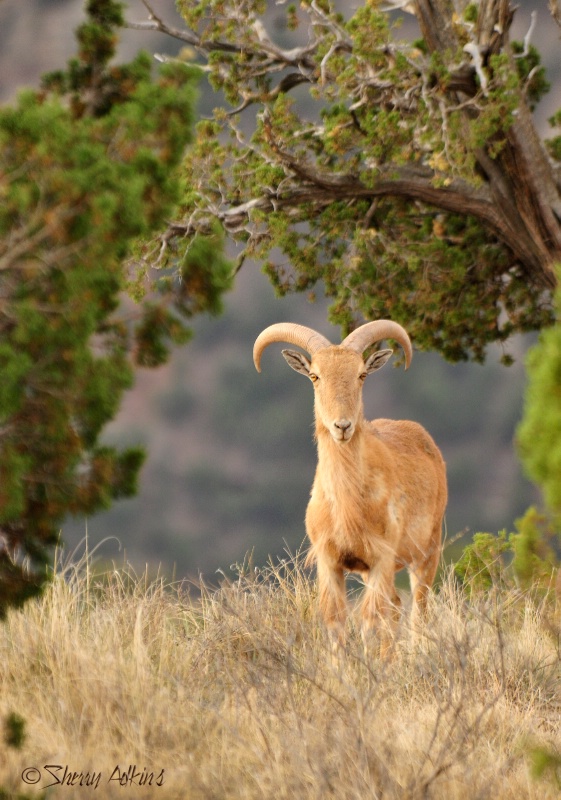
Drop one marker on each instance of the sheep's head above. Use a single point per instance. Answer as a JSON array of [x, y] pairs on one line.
[[337, 371]]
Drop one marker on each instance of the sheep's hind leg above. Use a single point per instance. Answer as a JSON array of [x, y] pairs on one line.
[[421, 578]]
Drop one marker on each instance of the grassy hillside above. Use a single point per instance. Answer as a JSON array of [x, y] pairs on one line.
[[233, 694]]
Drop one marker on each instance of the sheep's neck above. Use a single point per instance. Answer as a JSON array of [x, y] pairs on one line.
[[341, 475]]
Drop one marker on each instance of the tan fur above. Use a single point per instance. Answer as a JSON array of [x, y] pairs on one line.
[[376, 504]]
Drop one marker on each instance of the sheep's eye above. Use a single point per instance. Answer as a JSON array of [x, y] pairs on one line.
[[313, 377], [362, 376]]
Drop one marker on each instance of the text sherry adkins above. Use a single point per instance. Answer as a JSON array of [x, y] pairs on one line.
[[128, 776]]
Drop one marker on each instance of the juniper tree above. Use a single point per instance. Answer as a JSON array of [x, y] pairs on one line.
[[539, 434], [87, 168], [407, 175]]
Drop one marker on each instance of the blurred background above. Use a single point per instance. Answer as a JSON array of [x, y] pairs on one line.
[[231, 456]]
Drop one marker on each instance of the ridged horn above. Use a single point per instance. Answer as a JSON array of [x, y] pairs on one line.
[[373, 332], [309, 340]]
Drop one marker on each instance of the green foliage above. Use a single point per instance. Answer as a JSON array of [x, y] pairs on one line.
[[14, 730], [87, 167], [527, 558], [530, 72], [554, 144], [545, 764], [535, 556], [158, 327], [539, 434], [204, 275], [470, 13], [14, 736], [385, 105], [482, 564]]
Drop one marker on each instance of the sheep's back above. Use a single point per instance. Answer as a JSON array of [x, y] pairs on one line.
[[404, 437]]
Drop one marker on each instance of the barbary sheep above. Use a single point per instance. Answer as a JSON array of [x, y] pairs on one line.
[[379, 493]]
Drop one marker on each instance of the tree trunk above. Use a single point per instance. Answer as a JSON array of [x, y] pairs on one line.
[[523, 185]]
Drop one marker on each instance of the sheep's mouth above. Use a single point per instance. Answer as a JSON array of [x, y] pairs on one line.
[[342, 436]]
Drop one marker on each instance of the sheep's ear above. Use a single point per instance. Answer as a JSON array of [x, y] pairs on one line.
[[377, 360], [297, 361]]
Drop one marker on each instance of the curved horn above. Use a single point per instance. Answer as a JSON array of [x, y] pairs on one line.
[[289, 332], [372, 332]]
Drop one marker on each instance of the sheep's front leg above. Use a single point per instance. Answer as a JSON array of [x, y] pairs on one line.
[[380, 605], [332, 602]]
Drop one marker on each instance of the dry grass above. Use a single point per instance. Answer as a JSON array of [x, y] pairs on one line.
[[234, 696]]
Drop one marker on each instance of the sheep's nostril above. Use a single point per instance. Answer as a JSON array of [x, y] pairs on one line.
[[343, 424]]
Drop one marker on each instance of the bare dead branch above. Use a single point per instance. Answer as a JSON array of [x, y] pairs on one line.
[[156, 23]]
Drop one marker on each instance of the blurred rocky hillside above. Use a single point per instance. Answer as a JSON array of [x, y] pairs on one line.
[[231, 456]]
